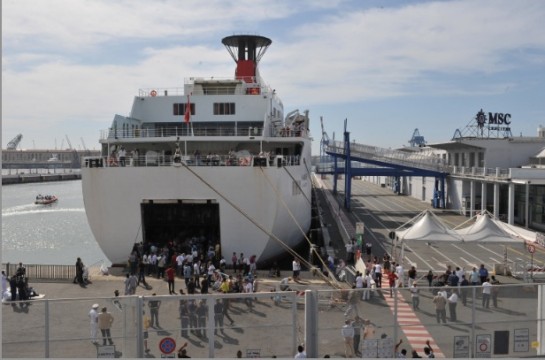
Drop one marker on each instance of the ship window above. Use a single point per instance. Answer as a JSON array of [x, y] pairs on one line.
[[179, 109], [224, 108]]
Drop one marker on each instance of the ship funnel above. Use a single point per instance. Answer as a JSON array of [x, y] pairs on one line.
[[246, 50]]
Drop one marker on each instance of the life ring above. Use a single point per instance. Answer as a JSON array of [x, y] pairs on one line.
[[243, 161], [153, 93]]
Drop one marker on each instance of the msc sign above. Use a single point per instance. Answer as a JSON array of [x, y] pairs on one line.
[[493, 119]]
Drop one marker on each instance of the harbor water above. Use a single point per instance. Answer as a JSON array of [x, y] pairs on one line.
[[47, 234]]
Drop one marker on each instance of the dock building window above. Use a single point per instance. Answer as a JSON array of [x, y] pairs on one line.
[[179, 109], [224, 108]]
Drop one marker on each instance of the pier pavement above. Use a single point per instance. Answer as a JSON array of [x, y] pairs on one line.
[[515, 309]]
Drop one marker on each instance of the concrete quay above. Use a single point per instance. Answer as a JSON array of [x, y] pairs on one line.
[[35, 178]]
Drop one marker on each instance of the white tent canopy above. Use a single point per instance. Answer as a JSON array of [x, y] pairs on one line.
[[427, 227], [485, 229]]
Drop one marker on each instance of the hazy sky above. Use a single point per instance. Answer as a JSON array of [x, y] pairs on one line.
[[68, 66]]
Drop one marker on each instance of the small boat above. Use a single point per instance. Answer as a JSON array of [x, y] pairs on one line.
[[45, 199]]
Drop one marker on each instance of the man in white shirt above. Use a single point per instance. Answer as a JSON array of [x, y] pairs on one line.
[[301, 354], [248, 289], [378, 274], [93, 317], [400, 274], [487, 287], [180, 264]]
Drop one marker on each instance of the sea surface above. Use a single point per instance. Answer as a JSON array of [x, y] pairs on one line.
[[47, 234]]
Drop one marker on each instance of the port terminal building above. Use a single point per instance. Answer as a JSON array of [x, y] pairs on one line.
[[488, 169]]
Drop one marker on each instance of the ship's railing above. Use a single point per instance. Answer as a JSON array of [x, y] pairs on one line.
[[205, 86], [155, 159], [188, 130]]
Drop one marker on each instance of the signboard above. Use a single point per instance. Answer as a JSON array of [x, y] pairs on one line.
[[531, 249], [360, 228], [461, 347], [167, 345], [253, 353], [106, 351], [540, 239], [483, 346], [522, 340]]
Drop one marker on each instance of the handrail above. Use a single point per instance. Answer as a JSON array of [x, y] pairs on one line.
[[412, 159], [155, 160], [187, 130]]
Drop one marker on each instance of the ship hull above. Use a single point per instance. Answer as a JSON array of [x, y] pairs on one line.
[[262, 211]]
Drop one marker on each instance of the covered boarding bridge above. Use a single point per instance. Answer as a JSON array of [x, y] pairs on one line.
[[381, 162]]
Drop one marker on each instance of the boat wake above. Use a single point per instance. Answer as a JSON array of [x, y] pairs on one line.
[[33, 209]]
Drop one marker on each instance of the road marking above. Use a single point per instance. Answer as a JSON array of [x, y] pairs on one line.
[[471, 265], [416, 333], [428, 265], [494, 259], [443, 265], [468, 253]]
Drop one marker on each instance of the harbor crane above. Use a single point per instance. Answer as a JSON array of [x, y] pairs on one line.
[[14, 143], [417, 139], [75, 156], [68, 142]]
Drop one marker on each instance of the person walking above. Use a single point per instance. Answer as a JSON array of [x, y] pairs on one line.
[[145, 325], [79, 272], [487, 287], [463, 289], [93, 317], [378, 274], [357, 324], [415, 292], [184, 316], [154, 306], [105, 320], [218, 316], [483, 274], [429, 277], [353, 300], [474, 277], [347, 333], [452, 302], [494, 291], [440, 303], [202, 315], [412, 275], [171, 275]]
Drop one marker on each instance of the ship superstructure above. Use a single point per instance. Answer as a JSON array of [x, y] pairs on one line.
[[219, 163]]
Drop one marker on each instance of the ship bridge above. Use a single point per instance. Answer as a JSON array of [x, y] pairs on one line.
[[353, 159]]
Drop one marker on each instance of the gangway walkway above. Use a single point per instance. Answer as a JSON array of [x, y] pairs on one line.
[[417, 160], [381, 162]]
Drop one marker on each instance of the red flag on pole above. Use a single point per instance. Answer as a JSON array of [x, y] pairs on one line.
[[187, 115]]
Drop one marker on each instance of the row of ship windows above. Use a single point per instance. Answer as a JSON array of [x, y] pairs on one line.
[[219, 109]]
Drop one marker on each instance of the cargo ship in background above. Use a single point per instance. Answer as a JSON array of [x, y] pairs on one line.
[[221, 162]]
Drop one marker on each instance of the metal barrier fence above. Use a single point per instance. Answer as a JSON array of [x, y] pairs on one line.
[[273, 324], [43, 272]]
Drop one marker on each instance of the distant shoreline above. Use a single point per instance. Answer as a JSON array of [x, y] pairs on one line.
[[37, 178]]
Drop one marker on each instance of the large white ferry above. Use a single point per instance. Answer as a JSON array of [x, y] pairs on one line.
[[219, 163]]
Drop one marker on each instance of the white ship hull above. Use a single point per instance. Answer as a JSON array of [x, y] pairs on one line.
[[116, 220]]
